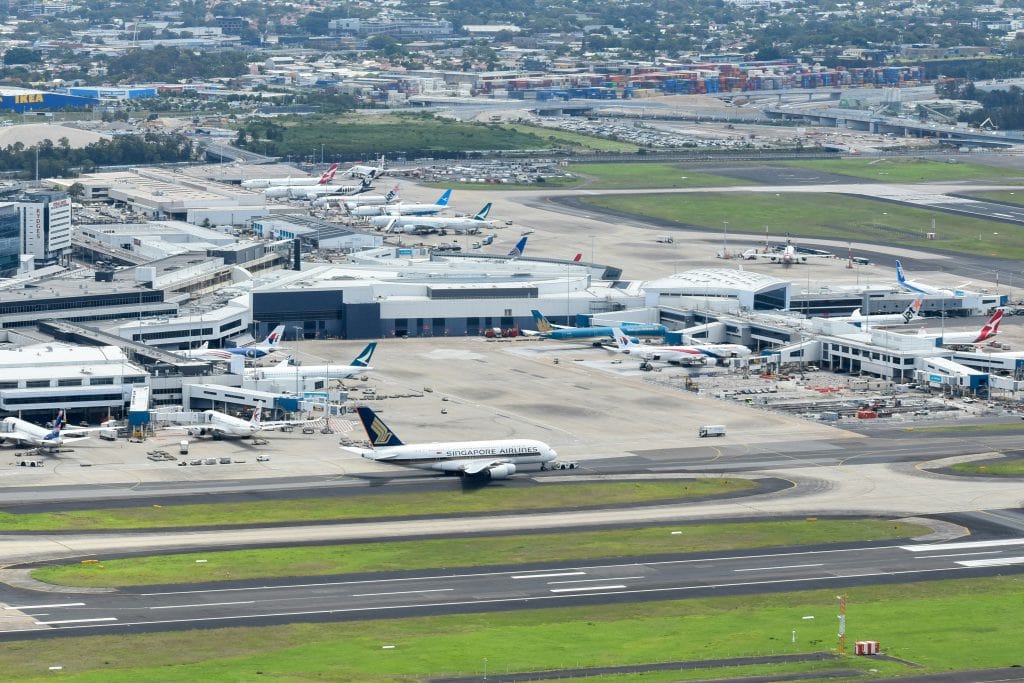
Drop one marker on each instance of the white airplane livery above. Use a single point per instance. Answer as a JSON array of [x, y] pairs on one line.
[[17, 431], [284, 369], [678, 354], [220, 425], [260, 183], [479, 460], [268, 346], [987, 331], [909, 314]]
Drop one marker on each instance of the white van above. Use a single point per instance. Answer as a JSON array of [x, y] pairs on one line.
[[711, 430], [664, 239]]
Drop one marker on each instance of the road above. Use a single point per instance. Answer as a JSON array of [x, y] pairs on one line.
[[443, 591]]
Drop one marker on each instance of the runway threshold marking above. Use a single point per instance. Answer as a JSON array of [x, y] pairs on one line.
[[966, 545], [75, 621], [587, 588], [63, 604], [992, 562], [788, 566], [206, 604], [425, 590]]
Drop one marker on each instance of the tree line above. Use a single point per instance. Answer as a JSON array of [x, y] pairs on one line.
[[61, 160]]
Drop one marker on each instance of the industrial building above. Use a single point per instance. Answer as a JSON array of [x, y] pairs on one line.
[[23, 100]]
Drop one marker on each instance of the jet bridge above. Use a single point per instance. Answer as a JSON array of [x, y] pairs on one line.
[[951, 376]]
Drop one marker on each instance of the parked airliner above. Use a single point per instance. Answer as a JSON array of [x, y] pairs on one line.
[[677, 354], [219, 425], [22, 433], [920, 287], [265, 348], [285, 369], [260, 183]]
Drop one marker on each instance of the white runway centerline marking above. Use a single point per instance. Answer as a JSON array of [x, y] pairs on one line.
[[768, 569], [547, 576], [587, 588], [425, 590], [206, 604], [613, 578], [63, 604], [74, 621]]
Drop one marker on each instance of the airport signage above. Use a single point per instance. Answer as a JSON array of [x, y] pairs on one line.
[[935, 378]]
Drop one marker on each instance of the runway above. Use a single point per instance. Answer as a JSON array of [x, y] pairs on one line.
[[556, 585]]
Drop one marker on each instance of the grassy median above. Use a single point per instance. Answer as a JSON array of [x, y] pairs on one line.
[[557, 546], [910, 170], [408, 504], [938, 626], [1005, 467], [823, 216]]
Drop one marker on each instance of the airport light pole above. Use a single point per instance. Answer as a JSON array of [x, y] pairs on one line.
[[725, 239]]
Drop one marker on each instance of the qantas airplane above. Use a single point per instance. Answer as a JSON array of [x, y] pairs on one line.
[[360, 365], [265, 348], [987, 331], [478, 460], [260, 183], [678, 354], [17, 431], [220, 425]]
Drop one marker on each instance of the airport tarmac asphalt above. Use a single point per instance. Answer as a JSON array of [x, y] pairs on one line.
[[441, 591]]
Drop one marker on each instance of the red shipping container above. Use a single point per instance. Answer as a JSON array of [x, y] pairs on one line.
[[866, 647]]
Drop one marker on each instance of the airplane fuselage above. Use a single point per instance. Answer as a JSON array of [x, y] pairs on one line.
[[435, 455]]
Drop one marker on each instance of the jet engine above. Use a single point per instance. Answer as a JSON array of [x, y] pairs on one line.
[[502, 471]]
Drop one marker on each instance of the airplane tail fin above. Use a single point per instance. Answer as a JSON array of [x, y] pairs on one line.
[[274, 338], [58, 422], [328, 175], [378, 432], [443, 201], [363, 359], [543, 326], [257, 415], [900, 277], [392, 193], [622, 341], [913, 311], [518, 250], [991, 328], [482, 214], [577, 257]]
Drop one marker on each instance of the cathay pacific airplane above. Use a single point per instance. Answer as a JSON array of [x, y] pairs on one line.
[[284, 369], [479, 460]]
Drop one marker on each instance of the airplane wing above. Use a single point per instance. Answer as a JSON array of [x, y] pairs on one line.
[[472, 467], [271, 426]]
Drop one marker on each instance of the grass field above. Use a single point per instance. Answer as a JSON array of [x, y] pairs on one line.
[[939, 626], [1004, 467], [464, 552], [456, 501], [1004, 197], [825, 216], [910, 170], [648, 176]]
